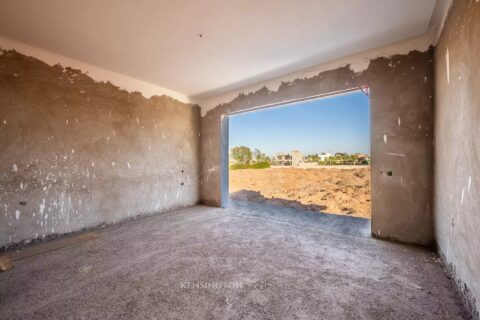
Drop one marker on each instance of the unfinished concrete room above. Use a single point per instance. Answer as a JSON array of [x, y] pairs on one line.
[[114, 161]]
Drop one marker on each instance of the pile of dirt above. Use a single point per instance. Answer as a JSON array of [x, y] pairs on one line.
[[334, 190]]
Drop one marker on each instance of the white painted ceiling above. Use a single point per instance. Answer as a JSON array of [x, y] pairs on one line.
[[242, 42]]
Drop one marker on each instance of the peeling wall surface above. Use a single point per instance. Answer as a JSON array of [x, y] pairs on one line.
[[76, 153], [358, 62], [402, 119], [457, 145], [96, 73]]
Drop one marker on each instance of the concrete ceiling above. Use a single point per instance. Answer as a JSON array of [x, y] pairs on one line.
[[203, 48]]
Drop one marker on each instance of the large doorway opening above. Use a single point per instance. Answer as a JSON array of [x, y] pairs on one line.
[[311, 155]]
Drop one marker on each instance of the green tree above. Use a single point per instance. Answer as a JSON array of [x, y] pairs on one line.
[[313, 158], [259, 156], [241, 155]]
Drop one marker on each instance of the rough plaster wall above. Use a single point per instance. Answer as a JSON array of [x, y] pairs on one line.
[[358, 62], [402, 117], [76, 153], [457, 146], [96, 73]]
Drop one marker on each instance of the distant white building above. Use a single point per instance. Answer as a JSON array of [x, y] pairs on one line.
[[297, 158], [294, 158], [324, 156]]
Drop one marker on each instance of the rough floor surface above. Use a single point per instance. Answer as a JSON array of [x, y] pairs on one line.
[[325, 222], [211, 263]]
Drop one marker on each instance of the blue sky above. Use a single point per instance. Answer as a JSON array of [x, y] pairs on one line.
[[334, 124]]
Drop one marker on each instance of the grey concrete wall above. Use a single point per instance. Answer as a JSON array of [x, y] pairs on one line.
[[457, 146], [75, 153], [402, 119]]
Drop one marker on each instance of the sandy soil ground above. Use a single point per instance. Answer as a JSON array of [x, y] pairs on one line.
[[330, 190]]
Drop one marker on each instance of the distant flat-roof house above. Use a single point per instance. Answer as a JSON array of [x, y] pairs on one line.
[[294, 158], [324, 156], [363, 158], [282, 159]]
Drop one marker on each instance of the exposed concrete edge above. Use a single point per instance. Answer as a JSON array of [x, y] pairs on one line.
[[14, 246], [6, 263], [464, 293], [96, 73], [357, 63], [58, 244], [425, 246]]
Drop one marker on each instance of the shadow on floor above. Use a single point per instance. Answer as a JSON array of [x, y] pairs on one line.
[[255, 196], [360, 227]]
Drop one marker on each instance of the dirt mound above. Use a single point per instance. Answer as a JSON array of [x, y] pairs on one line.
[[330, 190]]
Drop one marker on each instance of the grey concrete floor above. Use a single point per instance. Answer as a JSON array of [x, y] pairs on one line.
[[343, 224], [244, 262]]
